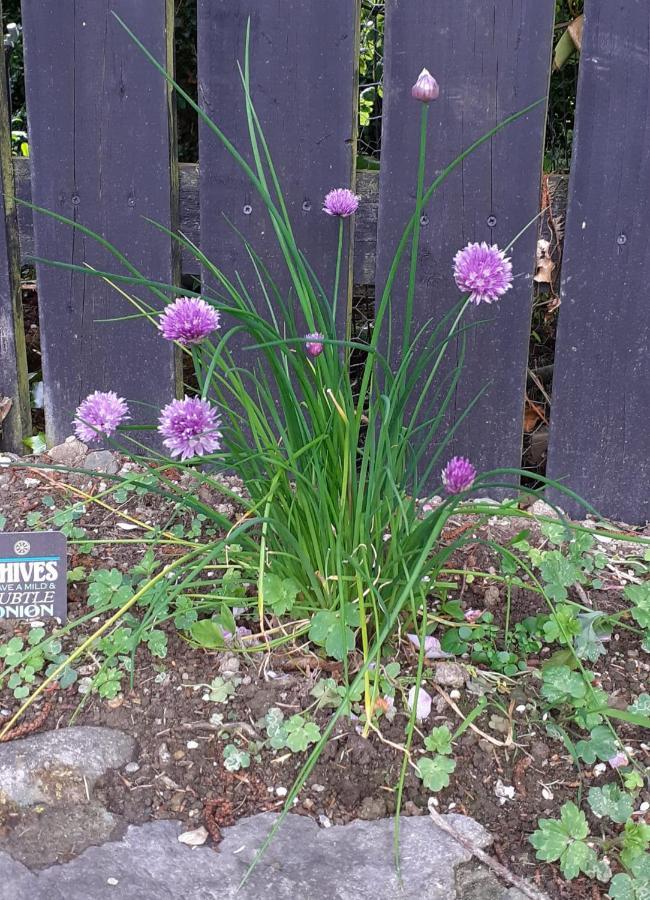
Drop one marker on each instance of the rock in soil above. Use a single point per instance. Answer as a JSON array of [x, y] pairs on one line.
[[102, 461], [348, 862], [60, 766], [70, 453], [450, 674]]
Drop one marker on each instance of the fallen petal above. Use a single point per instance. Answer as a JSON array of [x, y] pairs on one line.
[[620, 759], [424, 703], [432, 648]]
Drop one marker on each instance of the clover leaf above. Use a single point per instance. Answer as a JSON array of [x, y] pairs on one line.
[[562, 625], [561, 684], [221, 690], [559, 573], [602, 744], [641, 705], [609, 800], [234, 758], [435, 772], [636, 839], [156, 641], [632, 886], [439, 741], [279, 593], [107, 588], [327, 631], [300, 733], [563, 839], [639, 594]]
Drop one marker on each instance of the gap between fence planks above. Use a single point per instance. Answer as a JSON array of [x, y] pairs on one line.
[[15, 414]]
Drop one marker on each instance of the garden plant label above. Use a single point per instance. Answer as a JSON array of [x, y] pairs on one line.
[[33, 583]]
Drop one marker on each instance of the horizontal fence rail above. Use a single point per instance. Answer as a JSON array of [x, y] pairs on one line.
[[102, 152]]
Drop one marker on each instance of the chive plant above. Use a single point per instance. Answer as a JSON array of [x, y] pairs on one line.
[[334, 469]]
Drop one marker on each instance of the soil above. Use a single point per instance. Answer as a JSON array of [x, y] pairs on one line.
[[180, 770]]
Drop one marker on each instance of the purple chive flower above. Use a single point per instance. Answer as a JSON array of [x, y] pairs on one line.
[[188, 320], [425, 88], [484, 271], [458, 475], [314, 344], [99, 414], [190, 427], [340, 202]]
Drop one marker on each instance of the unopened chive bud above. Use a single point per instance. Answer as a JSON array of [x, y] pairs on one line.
[[425, 88]]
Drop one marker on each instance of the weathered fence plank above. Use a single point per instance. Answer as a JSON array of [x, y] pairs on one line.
[[303, 84], [600, 427], [15, 417], [101, 135], [491, 59]]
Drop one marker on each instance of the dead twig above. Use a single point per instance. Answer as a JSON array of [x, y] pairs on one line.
[[497, 867]]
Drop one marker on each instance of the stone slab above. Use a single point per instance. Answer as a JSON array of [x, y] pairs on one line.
[[351, 862], [60, 766]]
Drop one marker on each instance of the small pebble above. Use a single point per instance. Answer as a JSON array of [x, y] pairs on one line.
[[192, 745], [195, 838], [325, 821], [112, 881], [131, 768], [281, 791], [318, 788], [163, 754]]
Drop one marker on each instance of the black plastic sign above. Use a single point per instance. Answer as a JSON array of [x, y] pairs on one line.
[[33, 582]]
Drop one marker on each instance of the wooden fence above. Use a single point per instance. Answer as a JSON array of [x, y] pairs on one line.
[[102, 152]]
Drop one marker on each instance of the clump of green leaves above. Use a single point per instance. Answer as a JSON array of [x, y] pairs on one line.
[[434, 771], [222, 689], [567, 840], [234, 758], [295, 733], [25, 660]]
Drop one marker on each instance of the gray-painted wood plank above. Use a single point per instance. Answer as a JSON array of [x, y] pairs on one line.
[[491, 58], [303, 85], [15, 417], [600, 424], [101, 139]]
